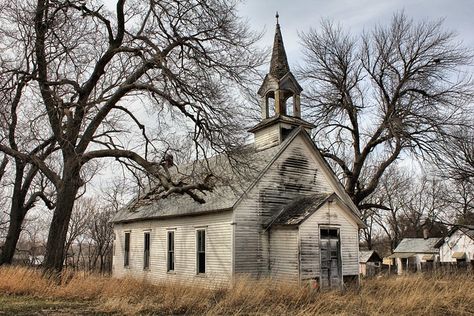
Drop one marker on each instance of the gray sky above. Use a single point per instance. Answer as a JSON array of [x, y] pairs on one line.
[[355, 15]]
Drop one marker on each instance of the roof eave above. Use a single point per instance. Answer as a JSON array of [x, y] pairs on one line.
[[141, 219]]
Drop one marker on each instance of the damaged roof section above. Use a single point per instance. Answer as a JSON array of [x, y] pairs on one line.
[[231, 176], [299, 209]]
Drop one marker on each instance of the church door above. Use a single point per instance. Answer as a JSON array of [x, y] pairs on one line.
[[331, 274]]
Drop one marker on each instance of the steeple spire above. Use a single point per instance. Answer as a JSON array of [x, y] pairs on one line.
[[278, 64], [279, 99]]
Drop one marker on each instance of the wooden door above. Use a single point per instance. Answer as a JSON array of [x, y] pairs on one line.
[[331, 276]]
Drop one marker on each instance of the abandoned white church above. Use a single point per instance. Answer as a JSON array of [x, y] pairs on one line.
[[289, 217]]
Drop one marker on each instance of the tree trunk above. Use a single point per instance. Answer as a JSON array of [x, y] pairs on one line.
[[14, 229], [65, 198], [17, 215]]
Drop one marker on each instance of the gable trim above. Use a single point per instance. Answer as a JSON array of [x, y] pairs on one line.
[[340, 191]]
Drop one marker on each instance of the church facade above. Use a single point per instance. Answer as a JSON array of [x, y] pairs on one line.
[[289, 219]]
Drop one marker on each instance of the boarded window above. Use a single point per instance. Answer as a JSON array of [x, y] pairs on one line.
[[146, 251], [126, 252], [170, 264], [201, 251]]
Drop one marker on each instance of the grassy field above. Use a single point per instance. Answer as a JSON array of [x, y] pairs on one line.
[[25, 292]]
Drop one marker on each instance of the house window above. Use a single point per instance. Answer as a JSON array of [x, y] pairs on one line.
[[201, 251], [126, 253], [146, 250], [170, 263]]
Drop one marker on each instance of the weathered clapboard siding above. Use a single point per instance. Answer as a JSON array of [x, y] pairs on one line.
[[330, 215], [218, 248], [267, 137], [294, 173], [283, 253]]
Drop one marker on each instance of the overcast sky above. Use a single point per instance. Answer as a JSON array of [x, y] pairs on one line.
[[356, 15]]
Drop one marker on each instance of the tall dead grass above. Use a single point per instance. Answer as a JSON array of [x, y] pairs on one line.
[[416, 294]]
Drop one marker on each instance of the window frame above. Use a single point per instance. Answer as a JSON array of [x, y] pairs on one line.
[[146, 252], [126, 249], [170, 253], [201, 251]]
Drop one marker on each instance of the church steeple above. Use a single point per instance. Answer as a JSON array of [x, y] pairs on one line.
[[278, 88], [279, 84], [278, 64]]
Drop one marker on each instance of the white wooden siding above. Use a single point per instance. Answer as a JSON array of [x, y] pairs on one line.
[[267, 137], [457, 242], [284, 253], [329, 215], [218, 248], [295, 173]]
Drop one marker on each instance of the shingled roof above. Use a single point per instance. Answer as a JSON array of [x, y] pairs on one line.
[[279, 63], [417, 245], [229, 187]]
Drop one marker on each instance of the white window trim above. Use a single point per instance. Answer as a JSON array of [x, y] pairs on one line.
[[168, 230], [201, 228], [149, 250]]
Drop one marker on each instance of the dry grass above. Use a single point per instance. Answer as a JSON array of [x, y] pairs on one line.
[[417, 294]]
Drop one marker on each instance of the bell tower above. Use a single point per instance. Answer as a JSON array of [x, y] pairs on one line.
[[278, 88]]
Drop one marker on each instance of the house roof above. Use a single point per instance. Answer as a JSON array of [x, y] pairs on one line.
[[366, 255], [417, 245], [229, 187], [468, 230]]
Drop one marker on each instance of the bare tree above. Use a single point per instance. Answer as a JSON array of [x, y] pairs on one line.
[[82, 215], [460, 198], [28, 186], [413, 202], [456, 158], [395, 91], [101, 233], [395, 187], [94, 67]]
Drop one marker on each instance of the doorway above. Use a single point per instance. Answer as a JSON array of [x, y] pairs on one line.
[[330, 250]]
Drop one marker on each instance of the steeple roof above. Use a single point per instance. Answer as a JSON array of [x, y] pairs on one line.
[[278, 64]]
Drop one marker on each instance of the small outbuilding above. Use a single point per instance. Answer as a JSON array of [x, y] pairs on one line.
[[370, 262]]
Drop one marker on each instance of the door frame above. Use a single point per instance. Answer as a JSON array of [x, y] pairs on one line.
[[339, 255]]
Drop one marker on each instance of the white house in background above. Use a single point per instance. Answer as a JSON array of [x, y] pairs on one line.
[[284, 215], [457, 246], [411, 252]]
